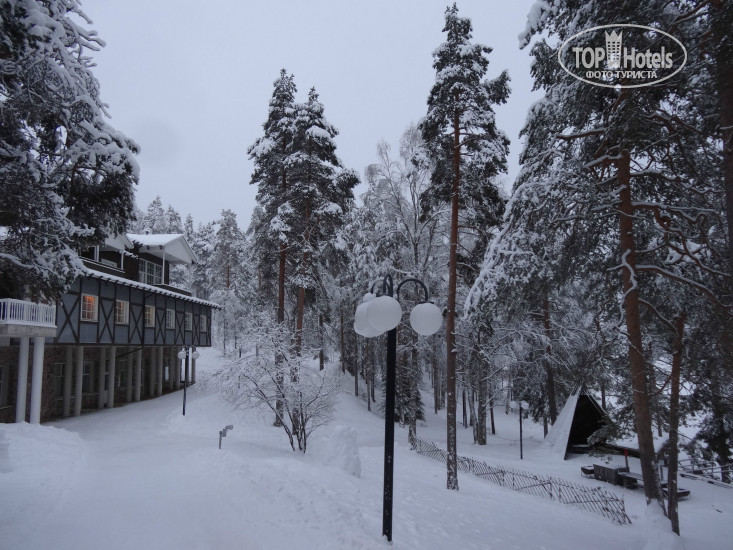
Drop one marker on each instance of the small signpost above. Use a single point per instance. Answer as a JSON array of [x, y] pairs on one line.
[[223, 433]]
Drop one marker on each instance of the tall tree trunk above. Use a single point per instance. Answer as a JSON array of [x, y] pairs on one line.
[[550, 388], [721, 30], [491, 411], [414, 388], [639, 382], [465, 411], [437, 391], [342, 349], [364, 355], [301, 291], [321, 353], [279, 360], [482, 397], [674, 422], [450, 322]]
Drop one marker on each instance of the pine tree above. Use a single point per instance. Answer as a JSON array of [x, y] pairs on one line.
[[66, 176], [154, 219], [173, 223], [320, 192], [468, 152], [615, 179], [203, 244], [270, 155]]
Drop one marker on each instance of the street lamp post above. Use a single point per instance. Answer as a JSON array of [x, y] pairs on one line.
[[184, 354], [522, 405], [374, 316]]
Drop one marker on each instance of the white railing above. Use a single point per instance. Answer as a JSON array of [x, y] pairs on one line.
[[20, 312]]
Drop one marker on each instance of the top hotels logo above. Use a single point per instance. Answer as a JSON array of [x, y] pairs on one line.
[[633, 56]]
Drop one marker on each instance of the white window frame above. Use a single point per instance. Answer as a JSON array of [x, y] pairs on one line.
[[150, 316], [203, 320], [122, 312], [150, 272], [170, 319], [188, 326], [85, 313]]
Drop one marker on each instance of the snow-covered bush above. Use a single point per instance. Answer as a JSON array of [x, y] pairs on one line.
[[273, 376]]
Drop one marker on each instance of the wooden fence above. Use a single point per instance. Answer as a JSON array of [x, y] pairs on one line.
[[594, 499]]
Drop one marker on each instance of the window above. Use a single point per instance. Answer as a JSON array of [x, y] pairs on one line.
[[58, 379], [87, 379], [149, 316], [121, 373], [150, 273], [202, 323], [189, 321], [170, 318], [88, 307], [122, 312]]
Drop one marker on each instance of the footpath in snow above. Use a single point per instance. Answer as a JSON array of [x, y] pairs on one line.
[[143, 476]]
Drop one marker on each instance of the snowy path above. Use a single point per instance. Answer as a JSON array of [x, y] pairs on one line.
[[144, 477]]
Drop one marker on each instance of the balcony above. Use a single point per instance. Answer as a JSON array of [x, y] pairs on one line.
[[19, 318]]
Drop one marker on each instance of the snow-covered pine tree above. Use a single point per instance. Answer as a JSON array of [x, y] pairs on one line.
[[615, 179], [173, 223], [226, 269], [468, 152], [320, 193], [270, 154], [66, 176], [202, 244], [154, 220]]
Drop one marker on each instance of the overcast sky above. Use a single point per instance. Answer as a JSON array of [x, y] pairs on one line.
[[190, 81]]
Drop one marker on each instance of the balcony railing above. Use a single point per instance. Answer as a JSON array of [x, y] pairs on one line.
[[20, 312]]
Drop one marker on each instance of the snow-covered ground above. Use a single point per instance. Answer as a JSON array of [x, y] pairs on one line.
[[145, 477]]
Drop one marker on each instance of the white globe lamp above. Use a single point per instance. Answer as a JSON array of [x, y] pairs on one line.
[[384, 313], [361, 323], [426, 319]]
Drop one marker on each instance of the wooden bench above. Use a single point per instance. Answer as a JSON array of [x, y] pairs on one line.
[[630, 480], [681, 493], [608, 474]]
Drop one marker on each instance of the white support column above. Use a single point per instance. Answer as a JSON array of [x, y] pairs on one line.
[[101, 376], [177, 368], [137, 372], [111, 378], [130, 370], [193, 370], [159, 389], [22, 379], [153, 370], [39, 345], [79, 380], [68, 377]]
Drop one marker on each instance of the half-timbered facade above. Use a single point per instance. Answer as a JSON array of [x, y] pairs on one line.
[[112, 338]]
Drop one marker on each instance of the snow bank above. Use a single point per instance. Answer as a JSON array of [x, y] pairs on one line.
[[337, 447], [657, 535]]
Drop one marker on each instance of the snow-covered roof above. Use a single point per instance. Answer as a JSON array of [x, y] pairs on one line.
[[135, 284], [118, 242], [173, 247]]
